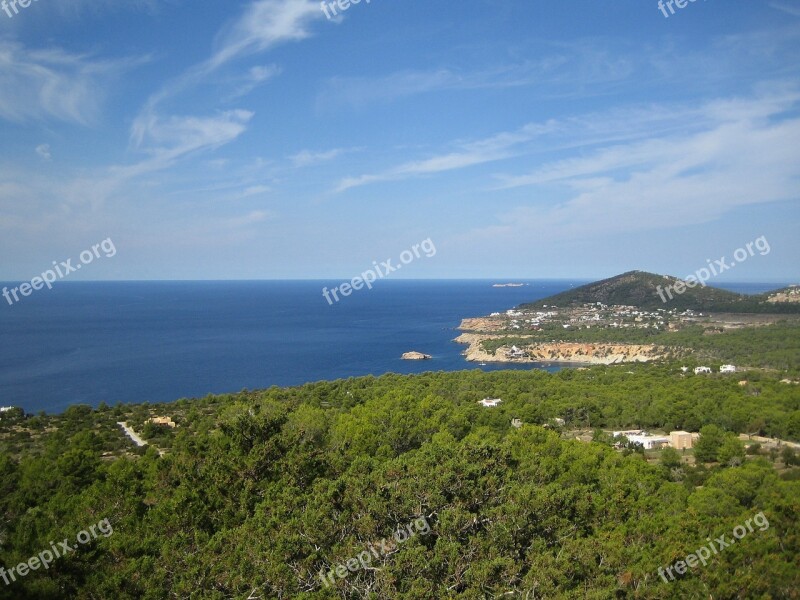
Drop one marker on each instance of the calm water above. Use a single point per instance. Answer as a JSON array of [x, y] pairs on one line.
[[160, 341]]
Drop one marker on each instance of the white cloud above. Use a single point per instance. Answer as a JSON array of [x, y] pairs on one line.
[[38, 84], [78, 7], [256, 216], [174, 136], [793, 10], [43, 150], [494, 148], [306, 158], [264, 24], [255, 190], [745, 154], [253, 78], [557, 71]]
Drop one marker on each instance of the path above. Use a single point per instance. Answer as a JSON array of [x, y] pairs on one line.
[[132, 434]]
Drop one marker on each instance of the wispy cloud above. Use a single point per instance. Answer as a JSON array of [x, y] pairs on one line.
[[556, 70], [255, 190], [494, 148], [264, 24], [306, 158], [170, 138], [746, 155], [254, 77], [79, 8], [43, 150], [256, 216], [39, 84], [792, 9]]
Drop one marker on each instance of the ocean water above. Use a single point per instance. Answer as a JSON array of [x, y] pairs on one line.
[[87, 342]]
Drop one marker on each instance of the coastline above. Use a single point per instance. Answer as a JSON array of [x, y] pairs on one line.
[[570, 353]]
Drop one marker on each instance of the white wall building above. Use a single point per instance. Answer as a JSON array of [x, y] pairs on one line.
[[490, 402]]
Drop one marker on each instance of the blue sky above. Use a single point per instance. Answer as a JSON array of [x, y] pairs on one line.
[[527, 139]]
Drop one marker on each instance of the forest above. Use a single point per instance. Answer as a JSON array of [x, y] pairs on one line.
[[262, 494]]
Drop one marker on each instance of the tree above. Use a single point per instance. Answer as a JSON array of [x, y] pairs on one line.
[[670, 458], [731, 452], [754, 449], [789, 457], [709, 444]]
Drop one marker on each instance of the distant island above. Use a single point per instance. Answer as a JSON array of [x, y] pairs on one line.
[[632, 317], [416, 356], [511, 285]]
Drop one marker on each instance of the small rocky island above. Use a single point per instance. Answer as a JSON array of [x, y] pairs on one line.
[[416, 356]]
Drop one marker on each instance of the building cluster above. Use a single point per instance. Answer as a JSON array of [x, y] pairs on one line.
[[596, 315], [680, 440], [706, 370]]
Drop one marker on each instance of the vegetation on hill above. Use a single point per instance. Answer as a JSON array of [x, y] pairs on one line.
[[641, 289], [775, 346], [261, 492]]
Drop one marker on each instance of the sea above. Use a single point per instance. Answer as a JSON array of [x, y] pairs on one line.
[[130, 342]]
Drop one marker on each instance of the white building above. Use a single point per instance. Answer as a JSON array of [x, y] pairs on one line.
[[516, 353], [727, 369], [698, 370], [490, 402], [649, 442]]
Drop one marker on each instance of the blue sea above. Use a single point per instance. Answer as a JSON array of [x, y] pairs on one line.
[[87, 342]]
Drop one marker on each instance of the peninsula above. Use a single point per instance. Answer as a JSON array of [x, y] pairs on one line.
[[623, 320]]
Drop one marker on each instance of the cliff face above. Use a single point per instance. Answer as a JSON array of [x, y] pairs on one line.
[[566, 352]]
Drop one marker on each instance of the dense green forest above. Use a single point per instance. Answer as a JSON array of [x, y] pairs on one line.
[[265, 494]]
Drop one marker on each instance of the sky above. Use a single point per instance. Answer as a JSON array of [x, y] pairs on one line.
[[525, 139]]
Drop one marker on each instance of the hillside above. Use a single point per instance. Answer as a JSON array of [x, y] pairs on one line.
[[648, 291], [406, 487]]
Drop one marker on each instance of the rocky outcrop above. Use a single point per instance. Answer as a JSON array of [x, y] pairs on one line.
[[416, 356], [563, 352]]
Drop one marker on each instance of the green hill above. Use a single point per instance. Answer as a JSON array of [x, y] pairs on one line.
[[650, 291]]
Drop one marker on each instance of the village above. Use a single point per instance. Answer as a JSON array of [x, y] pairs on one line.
[[592, 316]]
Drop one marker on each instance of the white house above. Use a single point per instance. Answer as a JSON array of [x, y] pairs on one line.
[[698, 370], [727, 369], [516, 353], [490, 402], [648, 441]]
